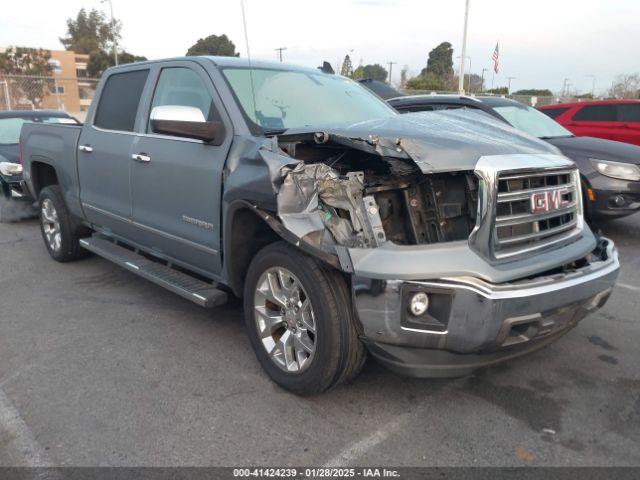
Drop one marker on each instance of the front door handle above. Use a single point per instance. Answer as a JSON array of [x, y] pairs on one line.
[[141, 157], [85, 148]]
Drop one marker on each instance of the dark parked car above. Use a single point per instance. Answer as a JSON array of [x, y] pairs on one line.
[[610, 171], [611, 119], [11, 122], [383, 90]]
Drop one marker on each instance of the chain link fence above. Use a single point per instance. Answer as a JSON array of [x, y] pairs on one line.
[[24, 92]]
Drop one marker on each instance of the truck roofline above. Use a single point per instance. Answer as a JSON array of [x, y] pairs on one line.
[[221, 62]]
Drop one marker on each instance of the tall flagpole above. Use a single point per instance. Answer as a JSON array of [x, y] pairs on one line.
[[463, 57]]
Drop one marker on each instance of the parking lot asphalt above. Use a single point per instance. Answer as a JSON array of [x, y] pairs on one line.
[[99, 367]]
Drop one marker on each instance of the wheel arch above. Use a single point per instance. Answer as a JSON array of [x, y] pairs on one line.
[[43, 174], [248, 229], [245, 233]]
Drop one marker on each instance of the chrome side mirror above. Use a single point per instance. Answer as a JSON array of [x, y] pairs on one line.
[[189, 122]]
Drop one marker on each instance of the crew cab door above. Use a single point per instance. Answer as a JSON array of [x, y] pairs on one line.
[[104, 152], [176, 182]]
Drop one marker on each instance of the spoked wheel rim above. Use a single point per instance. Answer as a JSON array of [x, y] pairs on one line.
[[51, 225], [285, 320]]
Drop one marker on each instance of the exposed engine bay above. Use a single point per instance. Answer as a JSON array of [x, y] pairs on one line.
[[348, 192]]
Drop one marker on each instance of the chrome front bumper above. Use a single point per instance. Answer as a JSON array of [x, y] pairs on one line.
[[472, 322]]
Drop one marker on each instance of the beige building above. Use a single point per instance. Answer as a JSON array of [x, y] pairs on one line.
[[72, 90], [68, 87]]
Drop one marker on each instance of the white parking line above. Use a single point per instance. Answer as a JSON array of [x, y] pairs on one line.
[[628, 287], [356, 450], [22, 448]]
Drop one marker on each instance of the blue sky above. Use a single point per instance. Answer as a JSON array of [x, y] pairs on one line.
[[542, 42]]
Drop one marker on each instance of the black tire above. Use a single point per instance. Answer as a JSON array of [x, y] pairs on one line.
[[70, 231], [339, 355]]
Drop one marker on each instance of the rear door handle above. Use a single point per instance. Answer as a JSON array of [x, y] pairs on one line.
[[141, 157], [85, 148]]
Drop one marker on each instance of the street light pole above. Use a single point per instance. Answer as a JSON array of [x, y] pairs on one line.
[[115, 40], [464, 49], [468, 74], [482, 80], [509, 87], [593, 88], [564, 87], [391, 64]]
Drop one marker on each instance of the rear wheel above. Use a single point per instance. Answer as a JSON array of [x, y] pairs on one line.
[[60, 235], [300, 322]]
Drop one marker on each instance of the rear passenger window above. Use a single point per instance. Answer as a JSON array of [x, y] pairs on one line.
[[119, 101], [597, 113], [180, 86], [553, 112], [629, 113]]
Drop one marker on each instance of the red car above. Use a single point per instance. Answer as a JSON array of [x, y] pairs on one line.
[[611, 119]]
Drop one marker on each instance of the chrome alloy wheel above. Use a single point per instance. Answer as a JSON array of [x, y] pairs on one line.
[[285, 319], [51, 225]]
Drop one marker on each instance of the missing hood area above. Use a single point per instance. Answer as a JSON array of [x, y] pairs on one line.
[[406, 180], [363, 192]]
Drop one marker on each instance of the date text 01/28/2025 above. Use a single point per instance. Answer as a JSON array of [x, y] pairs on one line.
[[326, 472]]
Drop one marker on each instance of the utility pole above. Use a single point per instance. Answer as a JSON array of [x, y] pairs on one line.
[[279, 50], [593, 88], [482, 80], [391, 64], [463, 58], [113, 25], [509, 87]]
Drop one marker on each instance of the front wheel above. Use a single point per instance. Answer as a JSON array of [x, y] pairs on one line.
[[300, 321]]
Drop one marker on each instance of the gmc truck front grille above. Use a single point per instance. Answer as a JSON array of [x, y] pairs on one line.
[[535, 210]]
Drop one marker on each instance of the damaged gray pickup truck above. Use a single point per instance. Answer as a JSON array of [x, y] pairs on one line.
[[437, 242]]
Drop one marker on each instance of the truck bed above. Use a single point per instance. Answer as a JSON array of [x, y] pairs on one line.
[[55, 145]]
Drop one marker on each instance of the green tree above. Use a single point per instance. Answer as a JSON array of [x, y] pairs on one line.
[[214, 45], [499, 91], [347, 67], [100, 60], [26, 61], [426, 81], [440, 62], [373, 72], [536, 92], [404, 76], [90, 32], [472, 83]]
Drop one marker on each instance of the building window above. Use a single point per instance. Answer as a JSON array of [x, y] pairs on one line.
[[85, 93], [82, 73], [58, 90]]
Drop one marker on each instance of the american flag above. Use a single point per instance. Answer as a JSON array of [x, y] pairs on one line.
[[496, 58]]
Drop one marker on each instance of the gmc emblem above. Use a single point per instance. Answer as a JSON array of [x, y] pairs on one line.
[[548, 201]]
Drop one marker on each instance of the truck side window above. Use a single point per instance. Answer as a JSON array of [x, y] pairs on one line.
[[119, 101], [183, 87]]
